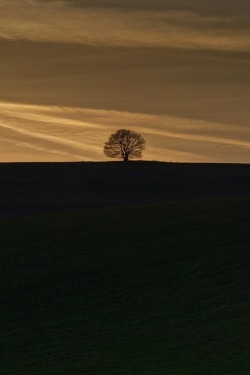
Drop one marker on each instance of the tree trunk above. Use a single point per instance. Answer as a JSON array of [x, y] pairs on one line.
[[125, 158]]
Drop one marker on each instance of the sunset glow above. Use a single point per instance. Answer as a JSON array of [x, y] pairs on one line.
[[72, 73]]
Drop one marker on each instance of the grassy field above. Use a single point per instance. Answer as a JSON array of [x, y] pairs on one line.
[[43, 187], [157, 290]]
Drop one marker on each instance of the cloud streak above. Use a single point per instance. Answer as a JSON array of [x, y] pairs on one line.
[[57, 21], [38, 133]]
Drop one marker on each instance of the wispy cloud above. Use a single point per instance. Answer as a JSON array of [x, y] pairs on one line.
[[60, 131], [200, 6], [57, 21]]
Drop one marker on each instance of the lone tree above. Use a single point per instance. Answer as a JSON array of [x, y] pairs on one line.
[[124, 144]]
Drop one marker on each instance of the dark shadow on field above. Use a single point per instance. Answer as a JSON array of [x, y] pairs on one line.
[[37, 187]]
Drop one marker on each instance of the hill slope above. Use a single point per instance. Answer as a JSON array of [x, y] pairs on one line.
[[156, 290], [33, 187]]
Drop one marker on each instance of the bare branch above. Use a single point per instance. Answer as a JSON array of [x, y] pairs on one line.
[[124, 144]]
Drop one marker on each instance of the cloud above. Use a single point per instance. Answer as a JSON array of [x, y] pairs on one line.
[[61, 133], [58, 21], [241, 7]]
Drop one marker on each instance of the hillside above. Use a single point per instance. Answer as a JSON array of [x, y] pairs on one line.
[[34, 187], [154, 289]]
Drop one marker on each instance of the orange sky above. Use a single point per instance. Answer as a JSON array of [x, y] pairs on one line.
[[176, 71]]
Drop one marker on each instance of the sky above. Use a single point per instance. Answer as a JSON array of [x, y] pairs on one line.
[[176, 71]]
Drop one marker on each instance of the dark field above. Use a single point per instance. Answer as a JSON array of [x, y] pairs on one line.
[[129, 277], [34, 187]]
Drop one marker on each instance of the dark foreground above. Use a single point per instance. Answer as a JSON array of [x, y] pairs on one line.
[[125, 269], [35, 187], [158, 289]]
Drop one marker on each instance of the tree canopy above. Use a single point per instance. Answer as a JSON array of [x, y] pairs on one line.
[[124, 144]]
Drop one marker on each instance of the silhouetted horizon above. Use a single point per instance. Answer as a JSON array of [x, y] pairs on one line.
[[175, 71]]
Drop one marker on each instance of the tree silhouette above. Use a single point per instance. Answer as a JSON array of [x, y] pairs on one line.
[[124, 144]]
